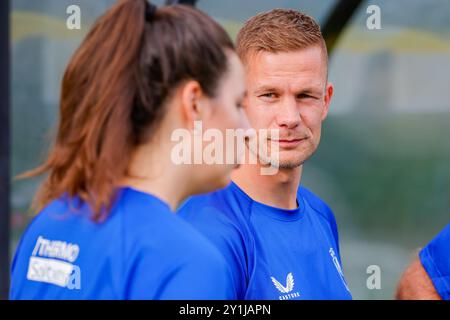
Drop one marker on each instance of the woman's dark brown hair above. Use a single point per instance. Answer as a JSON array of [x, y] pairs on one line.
[[113, 93]]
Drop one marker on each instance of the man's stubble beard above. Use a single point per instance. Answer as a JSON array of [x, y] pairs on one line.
[[266, 161]]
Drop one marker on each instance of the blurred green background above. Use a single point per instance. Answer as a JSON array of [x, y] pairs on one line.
[[383, 163]]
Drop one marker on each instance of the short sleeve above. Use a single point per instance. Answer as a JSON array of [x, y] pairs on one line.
[[229, 241], [179, 276], [435, 259], [323, 209]]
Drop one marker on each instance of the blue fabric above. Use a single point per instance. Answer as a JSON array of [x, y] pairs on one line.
[[272, 253], [142, 251], [435, 258]]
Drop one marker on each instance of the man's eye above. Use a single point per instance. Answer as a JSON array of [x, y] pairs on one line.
[[268, 95], [305, 96]]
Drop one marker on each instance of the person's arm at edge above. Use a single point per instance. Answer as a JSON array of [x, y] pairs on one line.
[[415, 284]]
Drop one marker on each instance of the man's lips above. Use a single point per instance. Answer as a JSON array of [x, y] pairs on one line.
[[288, 140], [289, 143]]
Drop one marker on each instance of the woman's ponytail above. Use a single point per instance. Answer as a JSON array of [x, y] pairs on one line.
[[114, 91], [92, 147]]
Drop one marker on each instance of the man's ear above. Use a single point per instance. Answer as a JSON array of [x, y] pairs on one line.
[[327, 99], [191, 95]]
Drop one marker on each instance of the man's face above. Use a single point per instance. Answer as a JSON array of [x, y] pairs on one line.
[[289, 91]]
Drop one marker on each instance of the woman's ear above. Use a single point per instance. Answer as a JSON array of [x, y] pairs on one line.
[[191, 96]]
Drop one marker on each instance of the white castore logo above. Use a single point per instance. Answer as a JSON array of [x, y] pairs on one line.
[[289, 284], [287, 289]]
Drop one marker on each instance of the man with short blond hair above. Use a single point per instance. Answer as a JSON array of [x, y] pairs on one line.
[[279, 239]]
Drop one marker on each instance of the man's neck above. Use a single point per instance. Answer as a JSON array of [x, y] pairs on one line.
[[278, 190]]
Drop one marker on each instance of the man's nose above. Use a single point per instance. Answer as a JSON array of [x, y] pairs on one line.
[[245, 123], [288, 114]]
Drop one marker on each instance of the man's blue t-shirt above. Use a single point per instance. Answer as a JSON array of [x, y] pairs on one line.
[[272, 253], [435, 258], [142, 251]]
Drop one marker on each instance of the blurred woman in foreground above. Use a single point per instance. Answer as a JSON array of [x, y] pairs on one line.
[[106, 228]]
